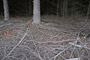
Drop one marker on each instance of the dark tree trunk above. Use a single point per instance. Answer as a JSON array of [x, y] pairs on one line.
[[65, 7], [30, 7], [58, 7]]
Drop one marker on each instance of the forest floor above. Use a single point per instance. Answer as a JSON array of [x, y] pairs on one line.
[[54, 38]]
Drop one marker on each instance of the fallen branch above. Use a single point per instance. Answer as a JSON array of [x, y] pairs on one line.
[[73, 59], [60, 53], [15, 46], [31, 51], [79, 46], [5, 25]]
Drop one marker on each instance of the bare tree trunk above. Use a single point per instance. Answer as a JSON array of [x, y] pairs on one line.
[[65, 7], [36, 11], [61, 7], [30, 7], [26, 7], [58, 5], [6, 10]]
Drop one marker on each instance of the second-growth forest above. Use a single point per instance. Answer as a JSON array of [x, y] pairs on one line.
[[44, 30], [49, 7]]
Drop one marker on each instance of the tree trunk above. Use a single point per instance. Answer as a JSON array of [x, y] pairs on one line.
[[36, 11], [6, 10], [61, 8], [30, 7], [58, 7], [26, 7], [65, 7]]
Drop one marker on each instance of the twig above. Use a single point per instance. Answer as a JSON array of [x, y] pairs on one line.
[[72, 52], [13, 57], [4, 50], [37, 51], [25, 56], [15, 46], [32, 51], [79, 46], [60, 53], [5, 25], [73, 59]]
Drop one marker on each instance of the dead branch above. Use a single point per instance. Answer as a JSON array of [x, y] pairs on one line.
[[15, 46], [60, 53], [73, 59], [5, 25], [79, 46]]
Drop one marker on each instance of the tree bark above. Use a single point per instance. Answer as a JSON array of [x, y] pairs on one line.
[[58, 7], [36, 11], [6, 10], [30, 7], [65, 7]]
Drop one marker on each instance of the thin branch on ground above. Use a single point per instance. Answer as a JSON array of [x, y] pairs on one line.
[[15, 46]]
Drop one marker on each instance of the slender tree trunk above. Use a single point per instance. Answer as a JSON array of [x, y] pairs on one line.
[[30, 7], [6, 10], [26, 7], [61, 7], [65, 7], [36, 11], [58, 7]]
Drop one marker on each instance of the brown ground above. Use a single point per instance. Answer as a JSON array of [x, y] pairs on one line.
[[52, 32]]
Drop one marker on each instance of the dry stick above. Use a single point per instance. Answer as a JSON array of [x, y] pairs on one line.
[[86, 18], [79, 33], [4, 50], [60, 53], [74, 46], [25, 56], [32, 52], [79, 46], [71, 56], [88, 11], [75, 43], [63, 57], [13, 57], [38, 51], [81, 29], [85, 24], [5, 25], [15, 46], [73, 59]]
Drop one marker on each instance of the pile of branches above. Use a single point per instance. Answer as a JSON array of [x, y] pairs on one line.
[[22, 44]]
